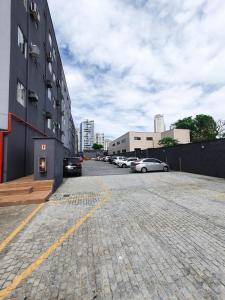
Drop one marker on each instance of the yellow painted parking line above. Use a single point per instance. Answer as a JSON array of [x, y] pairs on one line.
[[12, 235], [52, 248]]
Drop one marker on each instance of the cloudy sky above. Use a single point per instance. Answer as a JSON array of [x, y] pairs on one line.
[[127, 60]]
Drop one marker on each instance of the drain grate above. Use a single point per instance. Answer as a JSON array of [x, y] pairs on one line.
[[86, 199], [66, 195]]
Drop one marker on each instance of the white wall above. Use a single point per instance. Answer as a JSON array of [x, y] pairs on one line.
[[5, 34]]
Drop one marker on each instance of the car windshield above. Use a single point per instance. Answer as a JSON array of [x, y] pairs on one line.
[[73, 160]]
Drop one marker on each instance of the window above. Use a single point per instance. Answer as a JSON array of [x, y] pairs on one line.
[[50, 39], [25, 3], [123, 141], [50, 94], [113, 144], [54, 102], [22, 42], [124, 150], [50, 67], [152, 160], [137, 138], [21, 94], [118, 143], [49, 123], [63, 104], [53, 77], [149, 138], [53, 127], [54, 53]]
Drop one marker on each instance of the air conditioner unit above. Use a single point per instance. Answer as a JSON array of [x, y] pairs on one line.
[[33, 96], [49, 57], [34, 51], [34, 11], [48, 115], [49, 83]]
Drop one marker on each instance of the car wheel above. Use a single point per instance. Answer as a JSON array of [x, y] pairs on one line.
[[143, 170], [124, 166], [165, 169]]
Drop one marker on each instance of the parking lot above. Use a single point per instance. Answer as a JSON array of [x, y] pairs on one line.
[[114, 235], [100, 168]]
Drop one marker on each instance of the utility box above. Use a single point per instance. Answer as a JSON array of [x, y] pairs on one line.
[[48, 160]]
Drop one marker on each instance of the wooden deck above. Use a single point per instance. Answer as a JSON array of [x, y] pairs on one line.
[[25, 190]]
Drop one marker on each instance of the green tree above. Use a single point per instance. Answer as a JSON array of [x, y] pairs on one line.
[[168, 142], [205, 128], [202, 127], [97, 146]]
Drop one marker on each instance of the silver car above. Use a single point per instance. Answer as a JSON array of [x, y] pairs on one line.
[[149, 164], [126, 163]]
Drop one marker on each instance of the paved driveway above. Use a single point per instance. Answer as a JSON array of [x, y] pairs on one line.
[[129, 236]]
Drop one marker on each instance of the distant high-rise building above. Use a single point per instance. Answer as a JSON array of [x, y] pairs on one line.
[[106, 144], [159, 125], [78, 139], [87, 129], [99, 139]]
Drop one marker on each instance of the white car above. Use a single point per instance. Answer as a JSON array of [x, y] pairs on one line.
[[127, 162], [149, 164], [116, 160]]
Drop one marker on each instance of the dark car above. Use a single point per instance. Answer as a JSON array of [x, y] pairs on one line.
[[72, 166], [111, 158]]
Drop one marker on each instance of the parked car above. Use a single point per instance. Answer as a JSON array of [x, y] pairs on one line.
[[118, 161], [117, 158], [126, 163], [72, 166], [149, 164], [112, 158]]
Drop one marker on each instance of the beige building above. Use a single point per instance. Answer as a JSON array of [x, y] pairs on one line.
[[134, 141], [182, 135]]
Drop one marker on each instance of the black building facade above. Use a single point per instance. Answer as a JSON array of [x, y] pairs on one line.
[[34, 98]]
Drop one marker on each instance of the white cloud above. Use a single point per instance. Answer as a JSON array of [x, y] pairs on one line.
[[131, 59]]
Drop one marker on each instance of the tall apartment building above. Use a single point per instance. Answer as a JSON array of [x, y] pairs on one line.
[[87, 135], [34, 99], [159, 124], [100, 139]]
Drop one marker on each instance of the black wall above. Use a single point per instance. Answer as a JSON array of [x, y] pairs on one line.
[[206, 158]]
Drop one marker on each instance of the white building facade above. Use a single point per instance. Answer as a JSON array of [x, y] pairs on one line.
[[100, 138], [87, 136], [159, 124], [106, 144]]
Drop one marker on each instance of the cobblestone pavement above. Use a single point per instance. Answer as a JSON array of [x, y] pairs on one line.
[[158, 236], [11, 216], [100, 168]]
